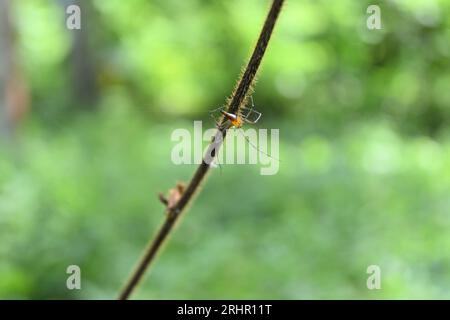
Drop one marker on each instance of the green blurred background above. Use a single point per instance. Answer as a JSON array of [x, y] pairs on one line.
[[86, 118]]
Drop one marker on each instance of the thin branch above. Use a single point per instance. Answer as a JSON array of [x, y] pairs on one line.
[[237, 99]]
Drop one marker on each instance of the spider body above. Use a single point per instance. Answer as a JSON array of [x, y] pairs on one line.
[[231, 120], [235, 120], [244, 115]]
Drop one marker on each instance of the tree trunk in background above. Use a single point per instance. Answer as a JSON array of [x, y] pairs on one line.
[[13, 92], [82, 64]]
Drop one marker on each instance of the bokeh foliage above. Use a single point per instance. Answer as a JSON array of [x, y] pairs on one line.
[[365, 150]]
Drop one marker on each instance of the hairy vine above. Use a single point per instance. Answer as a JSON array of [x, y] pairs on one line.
[[180, 196]]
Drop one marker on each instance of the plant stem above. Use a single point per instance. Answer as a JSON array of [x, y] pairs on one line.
[[237, 99]]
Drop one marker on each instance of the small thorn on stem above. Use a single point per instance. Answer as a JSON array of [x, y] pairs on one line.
[[174, 196], [163, 199]]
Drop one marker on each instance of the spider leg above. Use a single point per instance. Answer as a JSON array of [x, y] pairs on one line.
[[215, 120], [246, 119], [216, 163], [249, 111], [217, 109], [211, 112], [251, 108], [225, 125], [256, 147]]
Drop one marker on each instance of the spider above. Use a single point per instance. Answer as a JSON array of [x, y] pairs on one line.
[[245, 115]]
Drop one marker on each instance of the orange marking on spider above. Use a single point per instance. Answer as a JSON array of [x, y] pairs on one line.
[[244, 115], [236, 121]]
